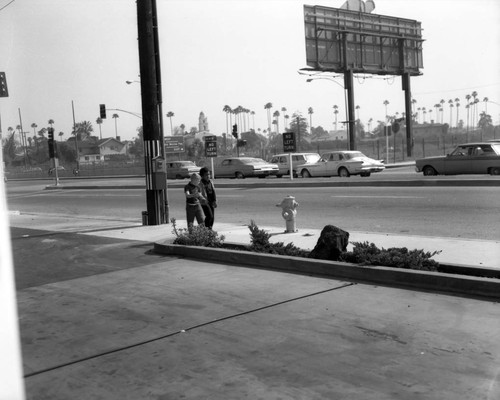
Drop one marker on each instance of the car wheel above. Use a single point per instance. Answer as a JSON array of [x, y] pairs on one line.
[[279, 176], [429, 171], [305, 173], [495, 171], [366, 174], [239, 175], [344, 173]]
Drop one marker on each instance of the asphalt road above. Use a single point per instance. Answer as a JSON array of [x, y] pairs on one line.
[[462, 212]]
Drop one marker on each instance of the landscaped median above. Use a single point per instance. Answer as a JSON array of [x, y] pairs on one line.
[[235, 254]]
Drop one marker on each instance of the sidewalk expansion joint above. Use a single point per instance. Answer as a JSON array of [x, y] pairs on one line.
[[124, 348]]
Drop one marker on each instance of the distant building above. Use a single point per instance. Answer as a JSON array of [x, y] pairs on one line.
[[203, 123], [91, 152]]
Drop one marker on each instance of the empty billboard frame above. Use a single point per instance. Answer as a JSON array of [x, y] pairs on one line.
[[339, 40]]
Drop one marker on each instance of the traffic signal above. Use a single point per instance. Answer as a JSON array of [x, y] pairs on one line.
[[235, 131], [51, 143], [102, 110], [3, 85]]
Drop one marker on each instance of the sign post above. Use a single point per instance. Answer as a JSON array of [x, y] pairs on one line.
[[289, 147], [211, 151]]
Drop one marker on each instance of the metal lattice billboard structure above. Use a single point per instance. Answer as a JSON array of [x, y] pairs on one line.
[[338, 40]]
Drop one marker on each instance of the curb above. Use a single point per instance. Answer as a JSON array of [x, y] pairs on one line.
[[410, 279]]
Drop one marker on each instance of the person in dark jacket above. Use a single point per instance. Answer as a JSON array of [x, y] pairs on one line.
[[194, 199], [208, 192]]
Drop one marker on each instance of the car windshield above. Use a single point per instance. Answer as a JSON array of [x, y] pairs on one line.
[[496, 147], [187, 164], [311, 157]]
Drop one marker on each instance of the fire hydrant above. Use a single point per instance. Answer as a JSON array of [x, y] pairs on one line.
[[289, 205]]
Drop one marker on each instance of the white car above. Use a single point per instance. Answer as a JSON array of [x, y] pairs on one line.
[[283, 161], [341, 163]]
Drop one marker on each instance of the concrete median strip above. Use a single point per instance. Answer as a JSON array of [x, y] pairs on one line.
[[395, 277]]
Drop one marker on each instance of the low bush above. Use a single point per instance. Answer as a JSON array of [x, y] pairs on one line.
[[259, 243], [397, 257], [198, 235]]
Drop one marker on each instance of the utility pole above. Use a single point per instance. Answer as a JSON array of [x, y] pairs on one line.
[[152, 119]]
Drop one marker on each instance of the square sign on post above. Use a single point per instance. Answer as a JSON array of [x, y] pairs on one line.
[[174, 144], [289, 142], [210, 146]]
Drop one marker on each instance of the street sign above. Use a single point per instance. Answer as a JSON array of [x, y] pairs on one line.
[[174, 144], [210, 146], [289, 142]]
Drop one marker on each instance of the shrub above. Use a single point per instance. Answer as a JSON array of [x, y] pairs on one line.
[[259, 243], [198, 235], [397, 257]]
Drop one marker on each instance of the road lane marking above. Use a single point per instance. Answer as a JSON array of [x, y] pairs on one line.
[[381, 197]]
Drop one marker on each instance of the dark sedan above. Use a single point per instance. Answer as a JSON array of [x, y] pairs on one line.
[[469, 158]]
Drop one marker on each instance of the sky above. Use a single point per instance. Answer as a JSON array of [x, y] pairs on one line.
[[56, 53]]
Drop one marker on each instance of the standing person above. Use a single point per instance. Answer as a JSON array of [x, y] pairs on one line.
[[193, 201], [208, 191]]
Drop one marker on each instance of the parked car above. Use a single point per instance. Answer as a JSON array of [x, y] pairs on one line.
[[283, 161], [341, 163], [469, 158], [181, 169], [242, 167]]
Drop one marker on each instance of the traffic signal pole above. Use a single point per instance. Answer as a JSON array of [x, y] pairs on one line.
[[156, 190]]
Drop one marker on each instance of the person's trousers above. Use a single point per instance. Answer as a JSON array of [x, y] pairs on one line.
[[194, 211], [209, 215]]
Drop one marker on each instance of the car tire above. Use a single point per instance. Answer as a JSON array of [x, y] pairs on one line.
[[429, 171], [495, 171], [305, 173], [279, 176], [344, 173], [367, 174], [239, 175]]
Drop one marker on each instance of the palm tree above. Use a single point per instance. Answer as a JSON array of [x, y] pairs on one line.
[[276, 115], [357, 109], [424, 112], [386, 103], [457, 105], [116, 116], [61, 135], [182, 126], [268, 107], [450, 102], [51, 121], [474, 108], [486, 105], [467, 97], [83, 130], [227, 110], [310, 111], [283, 110], [98, 121], [252, 113], [335, 111], [170, 114], [286, 117], [441, 102], [34, 126]]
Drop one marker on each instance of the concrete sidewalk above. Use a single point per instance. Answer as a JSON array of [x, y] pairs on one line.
[[179, 328]]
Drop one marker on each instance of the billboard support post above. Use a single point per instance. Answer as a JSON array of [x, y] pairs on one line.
[[351, 122], [409, 127]]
